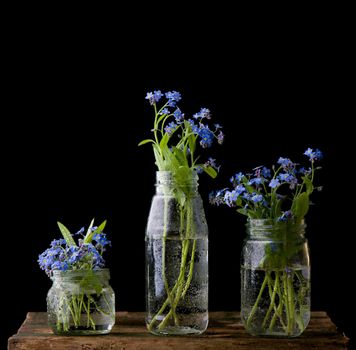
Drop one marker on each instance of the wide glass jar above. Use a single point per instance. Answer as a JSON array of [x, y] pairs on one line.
[[275, 278], [176, 258], [81, 302]]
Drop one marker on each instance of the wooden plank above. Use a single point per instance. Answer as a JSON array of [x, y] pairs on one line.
[[225, 332]]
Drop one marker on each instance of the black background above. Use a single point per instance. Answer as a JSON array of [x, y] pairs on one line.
[[75, 111]]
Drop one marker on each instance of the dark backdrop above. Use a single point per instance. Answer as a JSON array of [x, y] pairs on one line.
[[75, 112]]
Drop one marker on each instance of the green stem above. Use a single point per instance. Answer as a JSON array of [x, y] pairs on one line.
[[191, 269], [170, 294], [180, 282], [271, 305], [254, 308], [163, 307], [181, 277], [164, 240], [290, 301], [277, 313]]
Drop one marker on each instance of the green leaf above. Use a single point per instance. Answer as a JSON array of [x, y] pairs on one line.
[[191, 138], [308, 184], [66, 234], [242, 211], [180, 156], [171, 161], [90, 234], [89, 230], [145, 141], [164, 141], [300, 205], [210, 171], [102, 226], [91, 281], [158, 157], [182, 175], [161, 118]]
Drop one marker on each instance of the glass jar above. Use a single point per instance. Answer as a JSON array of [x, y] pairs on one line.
[[81, 302], [176, 258], [275, 279]]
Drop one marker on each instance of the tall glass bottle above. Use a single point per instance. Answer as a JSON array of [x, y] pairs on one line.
[[176, 258]]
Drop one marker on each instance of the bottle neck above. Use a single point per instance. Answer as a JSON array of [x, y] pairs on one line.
[[168, 183], [269, 230]]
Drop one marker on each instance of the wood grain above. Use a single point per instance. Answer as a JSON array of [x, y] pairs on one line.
[[225, 332]]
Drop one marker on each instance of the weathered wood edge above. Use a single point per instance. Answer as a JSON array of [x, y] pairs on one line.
[[122, 341]]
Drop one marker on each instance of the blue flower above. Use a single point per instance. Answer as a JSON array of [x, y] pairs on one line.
[[285, 162], [81, 231], [289, 178], [285, 216], [170, 128], [58, 265], [199, 169], [318, 154], [154, 97], [239, 176], [173, 97], [217, 126], [207, 137], [205, 113], [101, 239], [230, 198], [74, 255], [257, 198], [247, 196], [58, 242], [274, 183], [283, 176], [164, 111], [194, 127], [313, 155], [240, 189], [220, 138], [217, 198], [212, 162], [266, 172], [178, 115], [309, 152], [256, 180]]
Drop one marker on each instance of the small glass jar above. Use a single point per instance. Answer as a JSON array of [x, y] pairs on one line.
[[177, 258], [81, 302], [275, 279]]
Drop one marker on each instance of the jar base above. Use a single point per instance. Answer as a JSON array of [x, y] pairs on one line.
[[274, 335], [174, 330], [83, 331]]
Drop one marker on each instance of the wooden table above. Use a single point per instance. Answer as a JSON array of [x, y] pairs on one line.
[[225, 332]]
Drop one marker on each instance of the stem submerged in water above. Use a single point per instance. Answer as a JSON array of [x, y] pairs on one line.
[[183, 281], [282, 297]]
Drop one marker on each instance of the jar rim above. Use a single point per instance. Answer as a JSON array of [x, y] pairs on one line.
[[81, 273], [272, 222]]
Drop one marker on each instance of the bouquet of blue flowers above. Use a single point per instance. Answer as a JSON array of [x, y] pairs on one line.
[[80, 298], [275, 297], [179, 219]]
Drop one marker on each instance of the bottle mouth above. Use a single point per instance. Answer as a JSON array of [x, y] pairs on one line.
[[170, 178]]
